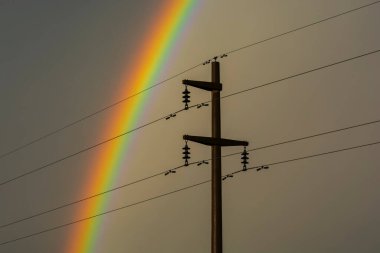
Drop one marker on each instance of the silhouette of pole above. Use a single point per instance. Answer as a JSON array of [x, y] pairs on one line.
[[216, 142], [216, 166]]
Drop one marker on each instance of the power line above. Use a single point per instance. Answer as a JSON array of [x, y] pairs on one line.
[[183, 189], [182, 166], [301, 27], [312, 156], [309, 137], [162, 118], [302, 73], [104, 213], [81, 151], [87, 198], [174, 76], [94, 113]]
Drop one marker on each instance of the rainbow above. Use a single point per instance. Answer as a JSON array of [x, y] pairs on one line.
[[147, 64]]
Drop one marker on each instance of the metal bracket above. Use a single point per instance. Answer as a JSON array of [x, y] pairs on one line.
[[209, 86], [210, 141]]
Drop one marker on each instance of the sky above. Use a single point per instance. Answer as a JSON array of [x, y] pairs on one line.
[[63, 60]]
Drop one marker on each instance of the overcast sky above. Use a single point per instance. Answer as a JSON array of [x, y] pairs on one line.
[[63, 60]]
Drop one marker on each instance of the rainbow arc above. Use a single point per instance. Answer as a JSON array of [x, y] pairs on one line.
[[148, 63]]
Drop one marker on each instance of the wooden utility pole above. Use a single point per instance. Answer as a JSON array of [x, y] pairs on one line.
[[216, 168], [216, 142]]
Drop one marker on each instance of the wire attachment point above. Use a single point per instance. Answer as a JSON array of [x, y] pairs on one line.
[[202, 162], [201, 105], [172, 115], [227, 176], [170, 172], [206, 62], [264, 167]]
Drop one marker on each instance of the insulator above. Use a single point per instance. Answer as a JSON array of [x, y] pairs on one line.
[[244, 153], [244, 158], [186, 154], [186, 98], [186, 91]]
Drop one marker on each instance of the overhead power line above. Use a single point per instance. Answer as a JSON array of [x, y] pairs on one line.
[[81, 151], [183, 189], [301, 27], [165, 117], [302, 73], [166, 172], [310, 156], [93, 114], [306, 137], [42, 137]]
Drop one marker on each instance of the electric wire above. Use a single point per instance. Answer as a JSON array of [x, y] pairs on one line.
[[159, 196], [306, 137], [301, 28], [162, 118], [27, 144], [311, 156], [104, 213], [183, 189], [182, 166], [81, 151], [302, 73], [93, 114]]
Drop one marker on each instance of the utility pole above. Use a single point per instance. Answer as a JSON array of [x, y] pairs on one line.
[[216, 167], [216, 142]]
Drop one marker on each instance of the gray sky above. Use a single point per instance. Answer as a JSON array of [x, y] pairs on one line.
[[60, 61]]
